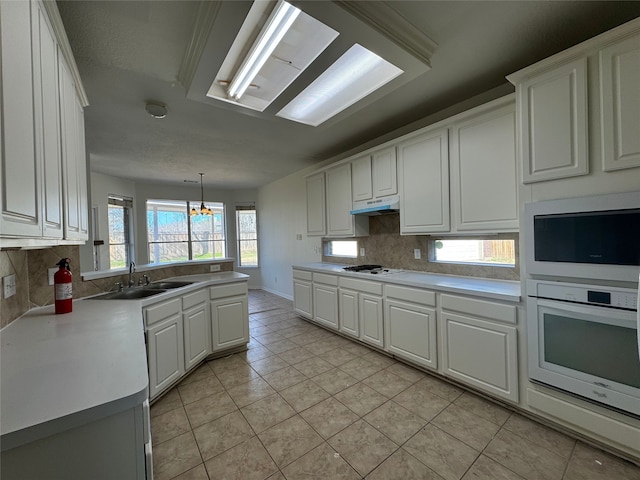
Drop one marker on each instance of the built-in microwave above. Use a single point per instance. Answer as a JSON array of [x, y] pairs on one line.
[[596, 237]]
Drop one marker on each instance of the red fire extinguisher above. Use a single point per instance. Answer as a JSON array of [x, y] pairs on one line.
[[63, 287]]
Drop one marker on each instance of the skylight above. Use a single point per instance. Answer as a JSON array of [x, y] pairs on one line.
[[352, 77]]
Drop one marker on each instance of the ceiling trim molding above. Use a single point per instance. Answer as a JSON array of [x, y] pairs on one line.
[[65, 48], [394, 26], [205, 18]]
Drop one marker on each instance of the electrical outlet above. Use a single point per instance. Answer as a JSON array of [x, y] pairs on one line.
[[362, 252], [52, 272], [298, 236], [9, 285], [214, 268], [417, 254]]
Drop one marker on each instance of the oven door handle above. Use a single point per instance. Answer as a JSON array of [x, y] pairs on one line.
[[638, 316]]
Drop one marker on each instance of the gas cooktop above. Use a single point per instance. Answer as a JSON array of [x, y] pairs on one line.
[[371, 269]]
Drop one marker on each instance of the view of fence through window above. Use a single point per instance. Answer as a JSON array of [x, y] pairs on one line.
[[120, 244], [175, 236], [497, 252], [247, 227]]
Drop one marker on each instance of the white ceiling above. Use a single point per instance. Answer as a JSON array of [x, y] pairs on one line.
[[130, 52]]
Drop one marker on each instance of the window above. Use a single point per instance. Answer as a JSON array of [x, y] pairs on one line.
[[498, 252], [341, 248], [120, 231], [247, 234], [174, 236]]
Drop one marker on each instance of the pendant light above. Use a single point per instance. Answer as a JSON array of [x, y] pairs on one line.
[[203, 209]]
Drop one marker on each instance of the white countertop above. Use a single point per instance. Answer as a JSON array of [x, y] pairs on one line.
[[482, 287], [61, 371]]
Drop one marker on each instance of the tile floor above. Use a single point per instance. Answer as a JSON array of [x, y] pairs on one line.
[[303, 403]]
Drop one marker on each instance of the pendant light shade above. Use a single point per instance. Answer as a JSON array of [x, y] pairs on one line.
[[204, 210]]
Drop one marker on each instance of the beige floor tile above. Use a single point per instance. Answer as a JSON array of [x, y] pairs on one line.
[[209, 408], [250, 392], [337, 357], [220, 435], [540, 435], [256, 353], [320, 346], [387, 383], [419, 400], [175, 456], [483, 408], [284, 378], [294, 331], [360, 398], [169, 401], [169, 425], [362, 446], [304, 395], [267, 412], [360, 368], [226, 363], [395, 421], [198, 389], [313, 366], [594, 464], [525, 457], [197, 473], [473, 430], [486, 469], [199, 373], [329, 417], [305, 338], [379, 359], [335, 380], [282, 346], [269, 365], [237, 376], [321, 462], [277, 476], [403, 466], [289, 440], [246, 461], [296, 355], [447, 456], [406, 372], [269, 338], [356, 349], [441, 388]]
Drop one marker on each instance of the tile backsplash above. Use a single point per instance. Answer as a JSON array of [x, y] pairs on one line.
[[33, 289], [385, 246]]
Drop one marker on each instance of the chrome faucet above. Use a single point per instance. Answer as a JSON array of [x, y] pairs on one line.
[[132, 269]]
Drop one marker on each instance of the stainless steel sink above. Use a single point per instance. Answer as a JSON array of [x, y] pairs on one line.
[[166, 285], [130, 294]]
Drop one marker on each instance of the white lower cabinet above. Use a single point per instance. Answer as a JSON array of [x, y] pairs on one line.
[[478, 345], [165, 345], [325, 300], [303, 293], [410, 324], [197, 328], [361, 312], [348, 312], [229, 316]]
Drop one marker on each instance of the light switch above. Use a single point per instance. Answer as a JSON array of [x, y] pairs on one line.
[[417, 254], [362, 252], [9, 285]]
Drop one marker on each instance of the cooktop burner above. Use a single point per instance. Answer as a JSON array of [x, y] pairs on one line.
[[360, 268], [371, 269]]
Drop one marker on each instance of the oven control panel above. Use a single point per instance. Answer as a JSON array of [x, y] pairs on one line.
[[587, 294]]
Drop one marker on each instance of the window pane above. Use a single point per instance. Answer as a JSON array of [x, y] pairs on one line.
[[207, 233], [249, 253], [167, 231], [118, 236], [342, 248], [498, 252], [247, 227]]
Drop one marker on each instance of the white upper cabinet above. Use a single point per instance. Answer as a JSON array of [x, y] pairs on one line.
[[316, 209], [340, 223], [385, 177], [484, 181], [553, 119], [620, 94], [361, 177], [423, 171]]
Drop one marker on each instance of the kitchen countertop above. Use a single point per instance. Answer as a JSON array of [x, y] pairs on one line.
[[482, 287], [58, 372]]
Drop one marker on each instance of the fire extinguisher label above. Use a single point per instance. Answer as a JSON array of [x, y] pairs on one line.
[[64, 291]]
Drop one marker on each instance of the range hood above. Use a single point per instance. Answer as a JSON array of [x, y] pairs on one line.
[[377, 206]]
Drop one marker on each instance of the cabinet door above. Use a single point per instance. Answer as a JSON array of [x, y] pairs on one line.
[[229, 322], [411, 332], [166, 354], [370, 310], [348, 310], [483, 171], [339, 201], [620, 93], [316, 210], [423, 169], [481, 354], [325, 305], [361, 178], [302, 298], [385, 173], [553, 117], [197, 335], [20, 172]]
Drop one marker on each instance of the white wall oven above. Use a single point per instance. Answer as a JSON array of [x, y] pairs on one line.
[[584, 339]]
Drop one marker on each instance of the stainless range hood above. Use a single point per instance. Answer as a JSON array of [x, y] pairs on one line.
[[377, 206]]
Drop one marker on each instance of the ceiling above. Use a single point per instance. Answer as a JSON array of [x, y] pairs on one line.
[[131, 52]]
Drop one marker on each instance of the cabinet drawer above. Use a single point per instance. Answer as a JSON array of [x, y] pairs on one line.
[[230, 290], [302, 275], [156, 313], [424, 297], [326, 279], [374, 288], [192, 299], [479, 308]]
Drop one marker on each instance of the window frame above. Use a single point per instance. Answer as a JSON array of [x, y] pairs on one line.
[[328, 250], [243, 208], [126, 203], [438, 238]]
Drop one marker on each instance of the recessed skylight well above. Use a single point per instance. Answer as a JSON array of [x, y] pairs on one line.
[[356, 74]]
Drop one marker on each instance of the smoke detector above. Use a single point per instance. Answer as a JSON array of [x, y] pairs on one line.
[[156, 109]]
